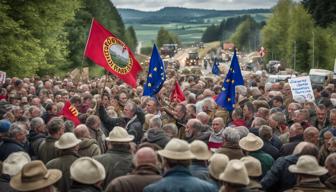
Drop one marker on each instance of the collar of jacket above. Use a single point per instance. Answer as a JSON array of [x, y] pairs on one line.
[[8, 140], [131, 120], [76, 185], [119, 150], [178, 171], [146, 169], [297, 138], [230, 145]]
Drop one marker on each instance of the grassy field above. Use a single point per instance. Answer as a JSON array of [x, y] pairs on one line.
[[188, 33]]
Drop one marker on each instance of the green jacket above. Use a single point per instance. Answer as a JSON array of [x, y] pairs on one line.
[[88, 148], [117, 162], [47, 150], [63, 163], [265, 159]]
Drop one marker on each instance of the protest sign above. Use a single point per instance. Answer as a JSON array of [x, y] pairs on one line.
[[301, 89]]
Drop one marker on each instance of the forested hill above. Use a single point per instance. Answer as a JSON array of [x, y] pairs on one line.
[[178, 14]]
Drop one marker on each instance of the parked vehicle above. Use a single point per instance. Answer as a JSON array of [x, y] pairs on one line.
[[320, 76]]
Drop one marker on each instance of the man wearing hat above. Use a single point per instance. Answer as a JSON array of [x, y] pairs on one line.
[[234, 177], [68, 144], [87, 175], [253, 167], [308, 172], [145, 173], [252, 145], [198, 167], [217, 165], [117, 161], [34, 176], [177, 177]]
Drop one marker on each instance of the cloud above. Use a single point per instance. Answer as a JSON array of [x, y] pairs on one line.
[[150, 5]]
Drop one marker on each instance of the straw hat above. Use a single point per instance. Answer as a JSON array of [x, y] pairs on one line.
[[14, 163], [67, 141], [235, 172], [200, 150], [251, 142], [308, 165], [217, 165], [119, 134], [253, 166], [87, 170], [34, 176], [176, 149]]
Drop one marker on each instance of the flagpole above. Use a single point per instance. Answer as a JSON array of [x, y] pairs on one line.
[[87, 40]]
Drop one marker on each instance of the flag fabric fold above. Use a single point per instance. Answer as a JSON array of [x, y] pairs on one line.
[[226, 98], [177, 93], [156, 74], [106, 50], [215, 67], [71, 113]]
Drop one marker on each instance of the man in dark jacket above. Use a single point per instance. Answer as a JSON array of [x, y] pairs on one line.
[[133, 120], [266, 133], [87, 175], [178, 178], [295, 137], [278, 178], [145, 173], [14, 141], [231, 147], [47, 149], [37, 135], [88, 147], [117, 161], [199, 165]]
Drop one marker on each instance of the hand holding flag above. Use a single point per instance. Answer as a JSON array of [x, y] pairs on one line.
[[215, 68]]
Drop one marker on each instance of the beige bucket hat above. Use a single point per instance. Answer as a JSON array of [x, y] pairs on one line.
[[217, 164], [308, 165], [251, 143], [34, 176], [176, 149], [253, 166], [119, 134], [235, 172], [87, 170], [14, 163], [67, 141], [200, 150]]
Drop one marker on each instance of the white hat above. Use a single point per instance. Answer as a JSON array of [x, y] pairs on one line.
[[200, 150], [14, 163], [251, 142], [308, 165], [176, 149], [217, 164], [87, 170], [119, 134], [253, 166], [67, 141], [235, 172]]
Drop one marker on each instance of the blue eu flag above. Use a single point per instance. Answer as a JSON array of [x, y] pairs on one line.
[[226, 98], [215, 67], [156, 74]]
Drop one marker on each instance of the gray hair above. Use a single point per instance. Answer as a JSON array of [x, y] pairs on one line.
[[170, 127], [265, 132], [243, 131], [36, 122], [55, 124], [155, 122], [14, 129], [231, 135]]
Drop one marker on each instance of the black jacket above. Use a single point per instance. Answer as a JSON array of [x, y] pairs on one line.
[[9, 146], [79, 187]]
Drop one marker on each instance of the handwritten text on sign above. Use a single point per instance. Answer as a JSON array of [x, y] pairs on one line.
[[301, 89]]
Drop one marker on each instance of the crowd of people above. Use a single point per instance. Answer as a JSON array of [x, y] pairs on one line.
[[128, 142]]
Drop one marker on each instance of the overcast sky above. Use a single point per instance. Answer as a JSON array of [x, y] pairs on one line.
[[151, 5]]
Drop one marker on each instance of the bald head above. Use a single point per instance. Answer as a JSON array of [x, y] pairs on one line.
[[203, 117], [311, 134], [145, 155], [81, 131]]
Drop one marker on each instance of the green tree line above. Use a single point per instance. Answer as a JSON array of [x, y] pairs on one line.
[[49, 37]]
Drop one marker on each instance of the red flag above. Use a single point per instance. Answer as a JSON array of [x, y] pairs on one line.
[[177, 94], [71, 113], [108, 51]]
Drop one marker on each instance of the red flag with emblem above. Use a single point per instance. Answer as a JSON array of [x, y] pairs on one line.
[[177, 93], [106, 50], [71, 113]]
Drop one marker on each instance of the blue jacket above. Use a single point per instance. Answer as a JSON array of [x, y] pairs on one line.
[[278, 178], [179, 179], [9, 146], [199, 170]]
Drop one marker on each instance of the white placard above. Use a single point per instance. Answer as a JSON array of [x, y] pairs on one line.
[[2, 77], [301, 89]]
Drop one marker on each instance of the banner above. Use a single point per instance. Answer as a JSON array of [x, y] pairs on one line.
[[106, 50], [301, 88]]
